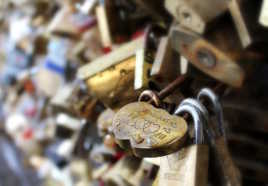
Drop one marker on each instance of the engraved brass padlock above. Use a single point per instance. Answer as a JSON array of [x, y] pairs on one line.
[[148, 131], [229, 173], [188, 166]]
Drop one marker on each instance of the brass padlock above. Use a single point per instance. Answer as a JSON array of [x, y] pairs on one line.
[[111, 78], [217, 54], [229, 174], [148, 131], [188, 166], [196, 15]]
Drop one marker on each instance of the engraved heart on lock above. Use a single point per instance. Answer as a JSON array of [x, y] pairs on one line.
[[147, 130]]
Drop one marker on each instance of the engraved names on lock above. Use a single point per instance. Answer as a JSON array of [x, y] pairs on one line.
[[146, 127]]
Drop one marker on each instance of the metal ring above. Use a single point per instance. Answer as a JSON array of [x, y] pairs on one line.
[[217, 108], [197, 118], [152, 95]]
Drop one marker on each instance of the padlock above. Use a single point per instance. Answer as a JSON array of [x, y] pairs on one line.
[[196, 15], [88, 48], [117, 24], [83, 104], [217, 54], [148, 131], [105, 121], [122, 171], [229, 173], [117, 78], [189, 165], [246, 18], [164, 68], [152, 40], [69, 22]]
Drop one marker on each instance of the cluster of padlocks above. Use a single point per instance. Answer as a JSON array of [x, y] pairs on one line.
[[135, 92]]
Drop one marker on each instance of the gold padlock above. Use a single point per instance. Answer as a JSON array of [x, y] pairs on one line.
[[117, 78], [148, 131]]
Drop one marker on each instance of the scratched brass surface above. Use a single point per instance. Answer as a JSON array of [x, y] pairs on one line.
[[148, 131], [115, 86]]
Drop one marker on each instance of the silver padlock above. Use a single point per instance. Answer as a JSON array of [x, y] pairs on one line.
[[187, 167], [224, 163]]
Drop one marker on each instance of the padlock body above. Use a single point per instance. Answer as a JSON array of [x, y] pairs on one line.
[[187, 167]]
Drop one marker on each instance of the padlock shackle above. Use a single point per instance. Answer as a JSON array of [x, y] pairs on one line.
[[198, 120], [152, 96], [209, 95], [198, 105]]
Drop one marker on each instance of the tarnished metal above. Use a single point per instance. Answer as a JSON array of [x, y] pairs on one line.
[[120, 54], [224, 162], [188, 166], [219, 55], [114, 86], [147, 130], [118, 75]]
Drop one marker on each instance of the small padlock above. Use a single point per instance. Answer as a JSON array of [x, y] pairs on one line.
[[225, 165], [187, 167]]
